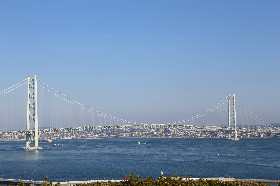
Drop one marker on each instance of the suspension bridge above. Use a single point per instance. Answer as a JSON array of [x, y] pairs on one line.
[[46, 107]]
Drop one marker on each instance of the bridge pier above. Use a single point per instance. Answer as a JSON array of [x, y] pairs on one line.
[[232, 117], [31, 115]]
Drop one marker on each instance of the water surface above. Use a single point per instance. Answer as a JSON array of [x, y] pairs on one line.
[[113, 158]]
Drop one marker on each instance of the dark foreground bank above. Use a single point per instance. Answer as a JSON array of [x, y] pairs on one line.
[[132, 180]]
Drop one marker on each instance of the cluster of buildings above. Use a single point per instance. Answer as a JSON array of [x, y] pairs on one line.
[[146, 131]]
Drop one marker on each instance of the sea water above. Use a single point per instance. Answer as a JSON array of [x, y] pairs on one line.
[[90, 159]]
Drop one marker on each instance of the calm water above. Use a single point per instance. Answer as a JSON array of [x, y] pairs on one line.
[[113, 158]]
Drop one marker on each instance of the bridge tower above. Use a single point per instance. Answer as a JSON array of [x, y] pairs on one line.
[[32, 115], [232, 116], [229, 116]]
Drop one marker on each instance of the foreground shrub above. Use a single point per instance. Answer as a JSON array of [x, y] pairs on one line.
[[173, 181], [161, 181]]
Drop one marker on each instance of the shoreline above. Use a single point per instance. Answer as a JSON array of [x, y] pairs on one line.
[[68, 183], [138, 138]]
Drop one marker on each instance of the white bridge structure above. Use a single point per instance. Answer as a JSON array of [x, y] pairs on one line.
[[32, 114], [57, 110], [232, 116]]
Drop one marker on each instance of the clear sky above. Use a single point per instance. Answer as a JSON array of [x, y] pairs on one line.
[[150, 60]]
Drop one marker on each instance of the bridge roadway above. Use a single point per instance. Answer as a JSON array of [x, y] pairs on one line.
[[73, 183]]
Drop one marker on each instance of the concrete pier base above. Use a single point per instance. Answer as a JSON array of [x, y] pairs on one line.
[[31, 148]]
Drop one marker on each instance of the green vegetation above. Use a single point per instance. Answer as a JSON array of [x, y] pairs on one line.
[[175, 180], [161, 181]]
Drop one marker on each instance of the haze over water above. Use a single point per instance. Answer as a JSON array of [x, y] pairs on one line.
[[113, 158]]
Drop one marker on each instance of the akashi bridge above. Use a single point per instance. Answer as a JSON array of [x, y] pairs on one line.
[[42, 106]]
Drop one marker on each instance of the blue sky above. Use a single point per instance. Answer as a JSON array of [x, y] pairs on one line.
[[147, 61]]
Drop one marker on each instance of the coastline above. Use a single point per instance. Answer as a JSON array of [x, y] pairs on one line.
[[38, 183], [1, 140]]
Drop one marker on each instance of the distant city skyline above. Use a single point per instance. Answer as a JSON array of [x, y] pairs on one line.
[[147, 61]]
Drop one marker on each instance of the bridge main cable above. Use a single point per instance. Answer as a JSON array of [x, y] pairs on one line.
[[14, 87], [84, 107], [197, 116]]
